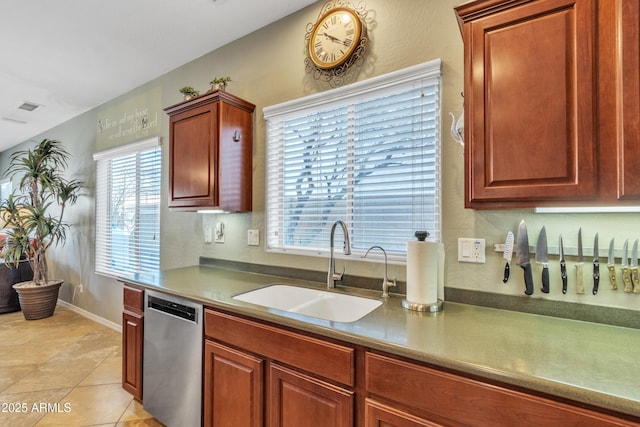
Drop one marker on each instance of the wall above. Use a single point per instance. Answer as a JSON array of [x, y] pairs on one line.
[[267, 68]]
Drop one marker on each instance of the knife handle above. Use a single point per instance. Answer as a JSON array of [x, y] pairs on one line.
[[579, 278], [528, 279], [545, 279], [626, 279], [596, 276], [563, 274], [612, 277], [507, 270], [635, 280]]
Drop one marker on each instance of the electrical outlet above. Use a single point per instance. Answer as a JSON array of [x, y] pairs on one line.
[[471, 250], [253, 237]]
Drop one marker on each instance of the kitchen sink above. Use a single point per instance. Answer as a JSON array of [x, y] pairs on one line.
[[325, 305]]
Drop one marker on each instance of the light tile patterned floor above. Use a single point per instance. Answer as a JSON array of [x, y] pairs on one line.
[[63, 371]]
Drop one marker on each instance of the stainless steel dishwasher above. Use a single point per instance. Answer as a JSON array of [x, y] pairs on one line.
[[172, 360]]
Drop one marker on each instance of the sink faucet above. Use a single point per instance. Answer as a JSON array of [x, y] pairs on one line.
[[386, 283], [332, 276]]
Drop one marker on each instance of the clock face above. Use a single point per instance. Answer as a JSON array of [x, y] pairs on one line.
[[334, 38]]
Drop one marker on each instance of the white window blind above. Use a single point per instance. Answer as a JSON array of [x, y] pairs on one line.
[[128, 209], [367, 154]]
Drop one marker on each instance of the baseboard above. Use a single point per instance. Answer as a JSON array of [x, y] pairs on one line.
[[91, 316]]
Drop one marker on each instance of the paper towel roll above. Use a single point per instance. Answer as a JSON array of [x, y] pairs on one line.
[[425, 271]]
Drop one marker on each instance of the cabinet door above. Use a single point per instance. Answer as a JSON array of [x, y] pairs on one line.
[[379, 415], [132, 341], [233, 387], [193, 157], [298, 400], [529, 102], [628, 17]]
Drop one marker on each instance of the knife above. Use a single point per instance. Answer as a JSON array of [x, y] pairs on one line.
[[579, 265], [635, 280], [542, 257], [626, 274], [611, 265], [507, 254], [563, 267], [596, 265], [523, 258]]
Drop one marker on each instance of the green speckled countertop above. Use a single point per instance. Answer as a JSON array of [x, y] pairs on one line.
[[585, 362]]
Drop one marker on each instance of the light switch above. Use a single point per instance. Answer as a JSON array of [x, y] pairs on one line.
[[253, 237]]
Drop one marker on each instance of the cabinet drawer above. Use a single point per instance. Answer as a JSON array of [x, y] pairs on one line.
[[133, 299], [455, 399], [329, 360]]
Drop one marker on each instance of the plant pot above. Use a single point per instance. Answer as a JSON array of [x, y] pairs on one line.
[[38, 302]]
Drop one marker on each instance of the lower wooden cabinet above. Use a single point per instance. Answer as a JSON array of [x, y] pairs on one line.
[[233, 387], [260, 374], [132, 340], [296, 399], [381, 415], [438, 398], [257, 374]]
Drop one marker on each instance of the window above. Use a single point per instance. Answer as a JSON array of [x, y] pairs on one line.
[[6, 188], [367, 154], [128, 209]]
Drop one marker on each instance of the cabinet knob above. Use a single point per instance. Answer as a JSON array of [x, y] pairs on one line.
[[236, 136]]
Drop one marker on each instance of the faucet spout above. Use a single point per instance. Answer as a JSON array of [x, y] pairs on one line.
[[332, 276], [386, 283]]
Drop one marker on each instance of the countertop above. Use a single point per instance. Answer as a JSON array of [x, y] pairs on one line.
[[586, 362]]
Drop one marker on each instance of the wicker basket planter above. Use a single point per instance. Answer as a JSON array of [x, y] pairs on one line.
[[38, 302]]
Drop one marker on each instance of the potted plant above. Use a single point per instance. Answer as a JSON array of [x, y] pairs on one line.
[[189, 92], [220, 83], [33, 214]]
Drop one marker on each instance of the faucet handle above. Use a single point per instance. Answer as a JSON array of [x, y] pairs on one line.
[[386, 284], [338, 276]]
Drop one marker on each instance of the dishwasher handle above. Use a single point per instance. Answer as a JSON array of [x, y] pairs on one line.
[[179, 310]]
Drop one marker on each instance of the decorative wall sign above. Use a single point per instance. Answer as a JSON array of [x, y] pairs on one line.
[[133, 119]]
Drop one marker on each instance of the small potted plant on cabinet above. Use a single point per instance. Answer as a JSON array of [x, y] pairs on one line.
[[33, 215], [189, 92], [220, 83]]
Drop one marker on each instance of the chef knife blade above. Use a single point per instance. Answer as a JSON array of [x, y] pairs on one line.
[[542, 257], [596, 265], [563, 267], [611, 265], [507, 254], [523, 258], [624, 265], [579, 266], [635, 280]]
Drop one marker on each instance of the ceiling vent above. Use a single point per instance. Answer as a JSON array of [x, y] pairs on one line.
[[28, 106]]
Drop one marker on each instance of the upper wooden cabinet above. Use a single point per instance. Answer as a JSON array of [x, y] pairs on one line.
[[210, 153], [627, 65], [551, 102], [529, 101]]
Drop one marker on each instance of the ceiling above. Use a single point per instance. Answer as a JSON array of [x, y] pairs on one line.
[[69, 56]]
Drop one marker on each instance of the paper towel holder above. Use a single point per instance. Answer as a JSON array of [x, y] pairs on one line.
[[429, 308], [415, 306]]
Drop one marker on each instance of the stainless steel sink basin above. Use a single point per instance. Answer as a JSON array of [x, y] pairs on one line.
[[311, 302]]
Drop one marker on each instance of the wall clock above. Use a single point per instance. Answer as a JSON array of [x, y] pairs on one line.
[[336, 41]]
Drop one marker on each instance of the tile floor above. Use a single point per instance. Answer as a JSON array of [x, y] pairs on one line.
[[63, 371]]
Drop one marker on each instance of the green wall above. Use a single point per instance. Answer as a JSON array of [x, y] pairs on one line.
[[267, 68]]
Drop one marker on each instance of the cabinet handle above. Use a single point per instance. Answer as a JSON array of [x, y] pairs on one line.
[[236, 136]]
